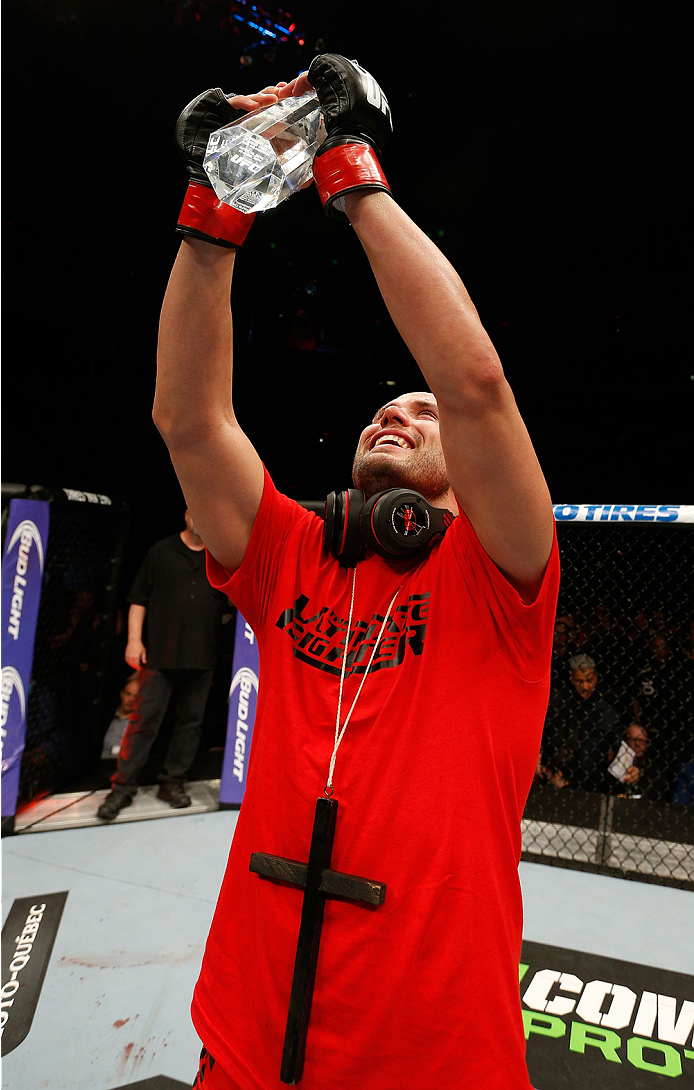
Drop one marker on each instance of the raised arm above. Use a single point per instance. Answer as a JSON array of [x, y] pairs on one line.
[[492, 466], [491, 463], [219, 471]]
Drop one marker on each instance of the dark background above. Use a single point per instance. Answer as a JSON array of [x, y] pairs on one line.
[[541, 145]]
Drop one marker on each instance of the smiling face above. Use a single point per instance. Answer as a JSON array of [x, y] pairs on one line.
[[401, 448]]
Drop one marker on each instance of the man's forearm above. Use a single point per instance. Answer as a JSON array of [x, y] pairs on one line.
[[194, 358], [136, 620], [426, 299]]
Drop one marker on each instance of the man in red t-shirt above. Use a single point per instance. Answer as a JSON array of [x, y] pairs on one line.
[[381, 680]]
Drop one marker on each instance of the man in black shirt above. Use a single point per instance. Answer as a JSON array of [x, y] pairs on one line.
[[580, 728], [183, 615]]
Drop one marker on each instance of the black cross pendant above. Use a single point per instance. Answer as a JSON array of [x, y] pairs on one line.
[[318, 882]]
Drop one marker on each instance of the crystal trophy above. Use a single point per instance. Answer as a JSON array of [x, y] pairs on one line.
[[263, 158]]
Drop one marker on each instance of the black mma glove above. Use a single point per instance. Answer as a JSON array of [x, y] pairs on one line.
[[358, 125], [203, 215]]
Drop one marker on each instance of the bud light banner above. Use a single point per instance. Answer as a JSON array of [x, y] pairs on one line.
[[22, 572], [242, 700]]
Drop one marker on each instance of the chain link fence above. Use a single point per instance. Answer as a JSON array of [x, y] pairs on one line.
[[69, 702], [614, 786]]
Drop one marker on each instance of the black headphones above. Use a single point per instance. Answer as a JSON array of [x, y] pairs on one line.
[[395, 523]]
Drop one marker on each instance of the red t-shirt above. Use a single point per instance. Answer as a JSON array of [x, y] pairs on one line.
[[431, 778]]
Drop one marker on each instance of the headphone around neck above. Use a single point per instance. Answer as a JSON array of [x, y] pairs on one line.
[[395, 523]]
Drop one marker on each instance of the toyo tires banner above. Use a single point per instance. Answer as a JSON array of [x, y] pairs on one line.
[[22, 573], [623, 512], [243, 695]]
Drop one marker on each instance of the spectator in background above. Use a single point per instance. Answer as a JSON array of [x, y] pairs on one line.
[[624, 767], [558, 777], [637, 634], [684, 784], [183, 615], [552, 776], [116, 728], [606, 642], [81, 621], [566, 642], [580, 727], [627, 761], [662, 699]]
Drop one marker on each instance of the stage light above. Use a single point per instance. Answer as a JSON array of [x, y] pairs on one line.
[[264, 22], [262, 30]]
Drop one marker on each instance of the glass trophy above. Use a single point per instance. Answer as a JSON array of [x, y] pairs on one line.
[[264, 157]]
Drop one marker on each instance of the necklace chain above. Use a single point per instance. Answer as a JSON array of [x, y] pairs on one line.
[[340, 731]]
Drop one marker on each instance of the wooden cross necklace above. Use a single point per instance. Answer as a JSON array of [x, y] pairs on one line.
[[318, 882]]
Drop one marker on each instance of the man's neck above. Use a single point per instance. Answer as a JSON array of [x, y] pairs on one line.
[[448, 502]]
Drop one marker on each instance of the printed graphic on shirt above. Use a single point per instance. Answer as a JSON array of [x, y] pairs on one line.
[[319, 635]]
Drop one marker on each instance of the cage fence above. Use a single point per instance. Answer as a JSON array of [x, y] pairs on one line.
[[614, 785], [68, 700]]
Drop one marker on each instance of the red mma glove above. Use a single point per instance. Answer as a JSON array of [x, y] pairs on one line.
[[203, 215], [358, 126]]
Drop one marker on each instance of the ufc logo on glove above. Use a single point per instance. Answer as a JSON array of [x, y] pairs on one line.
[[374, 94]]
